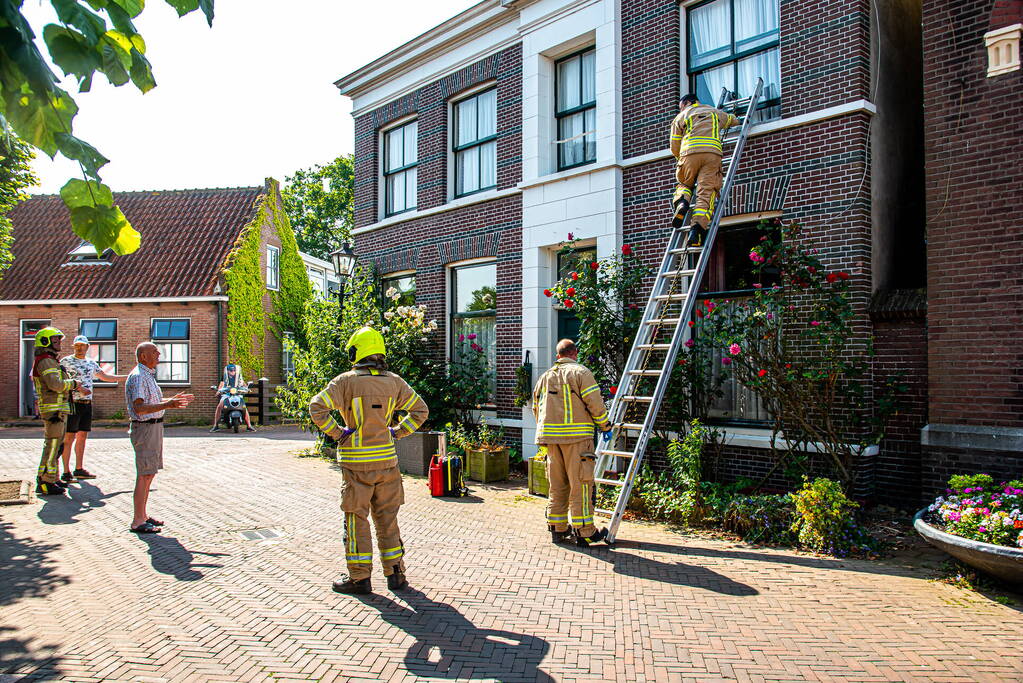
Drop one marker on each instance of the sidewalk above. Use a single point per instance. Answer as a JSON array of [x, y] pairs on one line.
[[83, 599]]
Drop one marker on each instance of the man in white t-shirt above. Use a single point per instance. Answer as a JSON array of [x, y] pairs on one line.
[[79, 422]]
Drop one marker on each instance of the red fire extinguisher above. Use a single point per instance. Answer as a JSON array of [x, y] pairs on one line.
[[436, 478]]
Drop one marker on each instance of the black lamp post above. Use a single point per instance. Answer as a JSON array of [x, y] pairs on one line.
[[344, 260]]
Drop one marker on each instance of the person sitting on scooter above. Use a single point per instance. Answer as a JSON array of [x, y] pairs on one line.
[[232, 380]]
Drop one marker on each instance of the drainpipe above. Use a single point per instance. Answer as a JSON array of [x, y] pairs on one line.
[[220, 339]]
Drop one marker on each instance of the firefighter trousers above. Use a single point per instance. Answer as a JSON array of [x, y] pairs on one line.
[[704, 171], [570, 473], [378, 493], [54, 425]]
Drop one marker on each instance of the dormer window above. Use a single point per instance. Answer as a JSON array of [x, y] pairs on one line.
[[85, 254]]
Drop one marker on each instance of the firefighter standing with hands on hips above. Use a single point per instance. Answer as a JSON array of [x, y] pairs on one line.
[[369, 400], [567, 405], [696, 145], [53, 388]]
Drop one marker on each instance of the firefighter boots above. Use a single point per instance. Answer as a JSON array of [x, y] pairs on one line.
[[697, 234], [397, 580], [349, 587], [559, 536], [46, 488], [585, 542]]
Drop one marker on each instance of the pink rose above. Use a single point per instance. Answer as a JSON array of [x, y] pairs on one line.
[[689, 343], [461, 337], [735, 350], [814, 323], [472, 336], [726, 361]]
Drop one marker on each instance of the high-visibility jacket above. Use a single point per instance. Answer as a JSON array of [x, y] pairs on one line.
[[567, 404], [369, 401], [52, 384], [698, 128]]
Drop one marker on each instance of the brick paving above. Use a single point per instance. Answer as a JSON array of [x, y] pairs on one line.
[[82, 599]]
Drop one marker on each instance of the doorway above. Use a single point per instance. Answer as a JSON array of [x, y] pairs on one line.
[[26, 390]]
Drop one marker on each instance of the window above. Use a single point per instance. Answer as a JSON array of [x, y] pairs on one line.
[[568, 322], [318, 279], [576, 109], [400, 158], [404, 285], [475, 142], [85, 253], [273, 267], [288, 355], [171, 337], [102, 336], [474, 312], [29, 328], [730, 276], [731, 44]]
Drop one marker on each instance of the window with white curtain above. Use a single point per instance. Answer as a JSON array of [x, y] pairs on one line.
[[576, 108], [475, 143], [401, 157], [731, 44]]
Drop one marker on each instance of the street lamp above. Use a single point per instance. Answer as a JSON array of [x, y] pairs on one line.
[[344, 260]]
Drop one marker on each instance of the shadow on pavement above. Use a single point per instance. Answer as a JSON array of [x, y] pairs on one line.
[[18, 659], [676, 573], [169, 556], [65, 510], [26, 570], [450, 646]]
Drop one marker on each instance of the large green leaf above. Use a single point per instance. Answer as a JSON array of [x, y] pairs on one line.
[[121, 20], [78, 193], [72, 13], [116, 63], [81, 151], [141, 72], [132, 7], [183, 7], [95, 219], [37, 119], [71, 51]]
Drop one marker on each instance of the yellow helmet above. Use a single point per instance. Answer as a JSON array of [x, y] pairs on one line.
[[365, 342], [44, 337]]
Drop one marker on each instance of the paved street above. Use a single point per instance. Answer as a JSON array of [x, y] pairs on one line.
[[83, 599]]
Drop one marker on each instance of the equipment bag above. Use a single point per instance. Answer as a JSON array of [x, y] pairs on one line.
[[446, 476]]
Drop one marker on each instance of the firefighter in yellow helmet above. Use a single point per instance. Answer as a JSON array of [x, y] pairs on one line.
[[696, 145], [376, 407], [52, 386], [567, 405]]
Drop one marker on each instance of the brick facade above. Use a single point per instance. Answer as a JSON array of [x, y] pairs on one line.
[[974, 246]]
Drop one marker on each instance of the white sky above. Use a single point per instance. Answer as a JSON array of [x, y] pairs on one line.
[[251, 97]]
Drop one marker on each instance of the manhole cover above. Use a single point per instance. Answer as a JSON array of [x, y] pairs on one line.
[[259, 534]]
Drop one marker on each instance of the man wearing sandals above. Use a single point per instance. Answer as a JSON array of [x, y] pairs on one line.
[[146, 406]]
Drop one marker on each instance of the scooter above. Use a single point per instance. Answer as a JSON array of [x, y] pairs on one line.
[[233, 412]]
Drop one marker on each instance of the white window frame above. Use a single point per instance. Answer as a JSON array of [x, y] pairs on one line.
[[273, 268], [396, 275], [314, 271], [287, 356], [449, 305], [581, 109], [385, 211], [187, 343], [97, 382], [24, 374], [453, 149]]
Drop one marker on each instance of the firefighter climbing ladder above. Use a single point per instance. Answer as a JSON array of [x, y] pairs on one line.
[[662, 332]]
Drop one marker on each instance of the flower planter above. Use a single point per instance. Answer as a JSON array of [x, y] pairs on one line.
[[998, 560], [538, 484], [487, 465], [415, 450]]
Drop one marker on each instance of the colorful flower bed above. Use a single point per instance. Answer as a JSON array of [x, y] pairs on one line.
[[975, 508]]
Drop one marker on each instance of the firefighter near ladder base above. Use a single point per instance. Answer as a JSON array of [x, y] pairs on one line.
[[568, 408], [696, 145], [53, 387], [376, 407]]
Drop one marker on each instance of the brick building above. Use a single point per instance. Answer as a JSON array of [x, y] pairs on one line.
[[171, 291], [557, 113], [974, 242]]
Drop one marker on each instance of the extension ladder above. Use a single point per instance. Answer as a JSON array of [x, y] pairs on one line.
[[662, 331]]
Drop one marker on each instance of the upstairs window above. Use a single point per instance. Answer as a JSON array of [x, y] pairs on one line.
[[401, 157], [102, 336], [475, 143], [273, 267], [171, 336], [85, 254], [731, 44], [318, 279], [576, 109]]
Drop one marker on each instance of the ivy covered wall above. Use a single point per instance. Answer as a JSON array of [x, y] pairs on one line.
[[252, 309]]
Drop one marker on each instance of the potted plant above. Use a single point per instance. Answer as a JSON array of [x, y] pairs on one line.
[[487, 457], [538, 483], [979, 523]]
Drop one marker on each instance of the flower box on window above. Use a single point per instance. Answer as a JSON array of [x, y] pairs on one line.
[[487, 465]]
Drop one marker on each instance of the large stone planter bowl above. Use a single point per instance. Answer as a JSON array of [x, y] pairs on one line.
[[998, 560]]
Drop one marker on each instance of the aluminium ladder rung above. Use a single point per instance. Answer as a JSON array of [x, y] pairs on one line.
[[671, 297], [602, 511], [685, 250], [663, 321], [654, 347], [685, 272], [646, 373], [631, 426], [619, 454], [609, 482], [637, 399]]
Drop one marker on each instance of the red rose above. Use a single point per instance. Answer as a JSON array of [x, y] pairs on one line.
[[832, 277], [710, 305], [788, 365], [613, 390], [575, 275], [761, 373], [571, 237], [812, 270], [843, 275], [570, 291], [699, 313], [583, 298], [594, 265], [626, 249], [548, 292], [569, 303], [691, 323]]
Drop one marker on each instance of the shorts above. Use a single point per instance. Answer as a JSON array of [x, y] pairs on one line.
[[80, 419], [147, 440]]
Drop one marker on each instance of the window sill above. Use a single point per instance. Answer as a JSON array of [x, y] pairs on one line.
[[760, 437], [468, 200], [174, 384]]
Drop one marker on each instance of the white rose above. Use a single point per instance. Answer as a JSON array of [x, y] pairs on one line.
[[391, 292], [388, 315], [385, 330]]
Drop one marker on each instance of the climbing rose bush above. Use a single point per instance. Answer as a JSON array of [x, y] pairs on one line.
[[974, 507]]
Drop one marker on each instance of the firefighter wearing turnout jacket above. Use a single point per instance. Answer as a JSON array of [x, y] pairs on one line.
[[53, 387], [377, 407], [567, 406], [696, 145]]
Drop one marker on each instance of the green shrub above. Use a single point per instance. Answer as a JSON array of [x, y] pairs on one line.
[[826, 521], [764, 519]]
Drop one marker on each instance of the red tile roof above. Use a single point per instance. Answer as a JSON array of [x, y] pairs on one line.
[[186, 235]]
